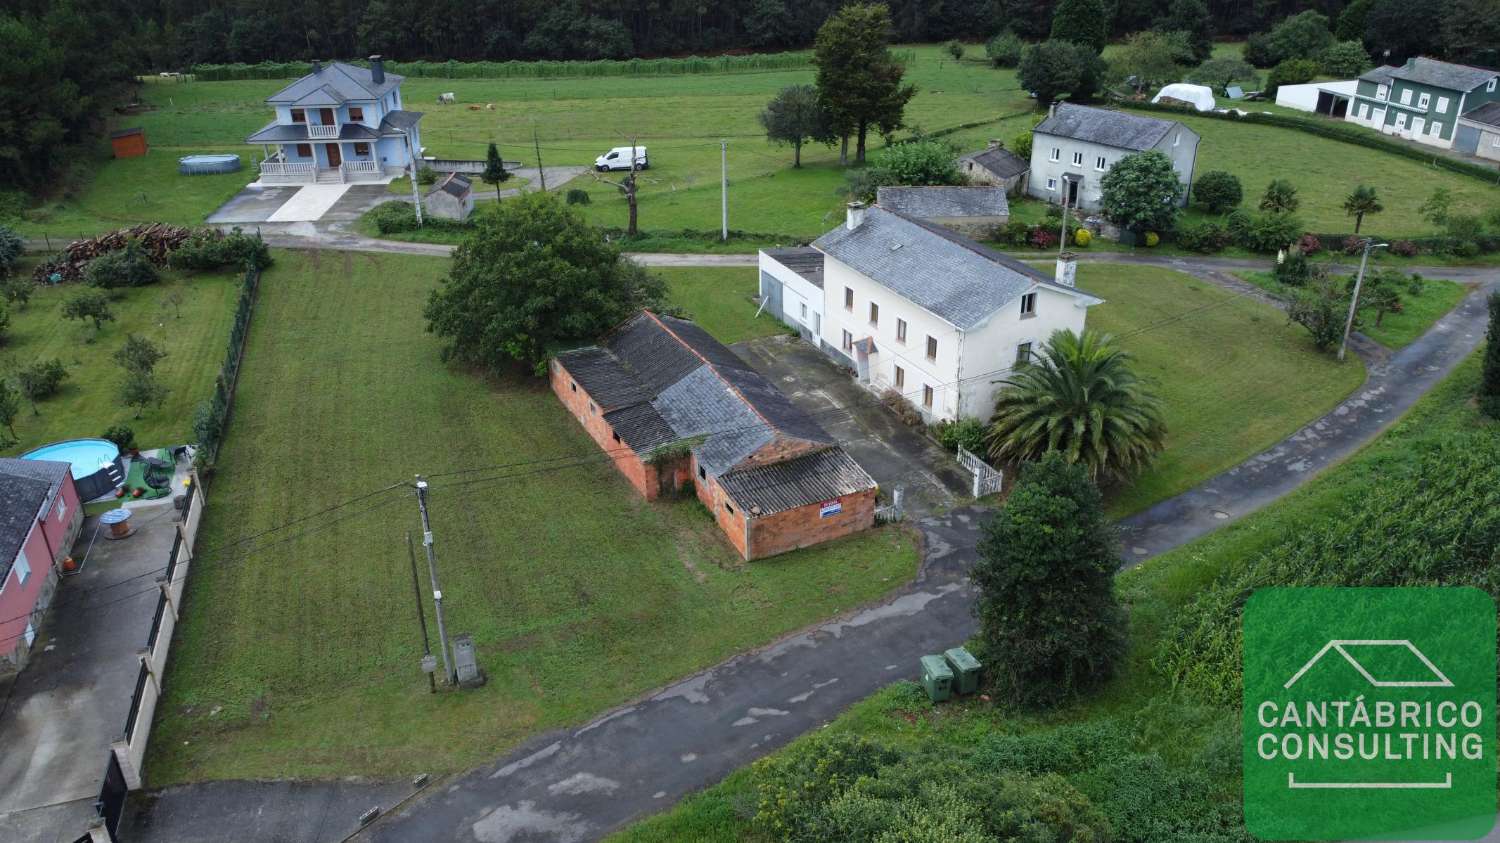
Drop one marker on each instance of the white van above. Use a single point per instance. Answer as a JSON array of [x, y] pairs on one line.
[[619, 159]]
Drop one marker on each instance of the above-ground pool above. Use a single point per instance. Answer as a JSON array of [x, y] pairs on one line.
[[97, 467], [203, 165]]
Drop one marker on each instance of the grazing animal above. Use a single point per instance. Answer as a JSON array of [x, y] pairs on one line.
[[446, 98], [473, 108]]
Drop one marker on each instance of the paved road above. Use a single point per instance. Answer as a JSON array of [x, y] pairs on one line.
[[581, 784]]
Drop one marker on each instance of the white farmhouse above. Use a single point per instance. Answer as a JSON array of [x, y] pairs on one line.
[[914, 307], [1076, 145]]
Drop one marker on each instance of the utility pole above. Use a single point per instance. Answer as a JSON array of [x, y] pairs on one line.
[[540, 172], [411, 154], [437, 590], [1359, 281], [1062, 236], [416, 590], [724, 189]]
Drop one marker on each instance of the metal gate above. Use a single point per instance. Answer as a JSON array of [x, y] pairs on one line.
[[987, 479], [112, 796]]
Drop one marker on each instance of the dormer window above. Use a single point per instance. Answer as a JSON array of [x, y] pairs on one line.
[[299, 116], [356, 114]]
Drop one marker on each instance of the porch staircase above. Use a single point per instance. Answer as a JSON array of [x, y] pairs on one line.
[[333, 176]]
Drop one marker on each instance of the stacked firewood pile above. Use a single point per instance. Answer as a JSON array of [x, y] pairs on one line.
[[158, 239]]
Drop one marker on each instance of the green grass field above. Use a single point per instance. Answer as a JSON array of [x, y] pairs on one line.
[[1396, 330], [1233, 375], [302, 660], [1163, 721], [88, 404], [722, 300]]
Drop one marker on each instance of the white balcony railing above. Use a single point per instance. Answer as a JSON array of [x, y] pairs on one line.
[[361, 167], [278, 170], [315, 130]]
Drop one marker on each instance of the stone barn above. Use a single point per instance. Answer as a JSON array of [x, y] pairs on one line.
[[677, 410], [996, 166], [452, 198]]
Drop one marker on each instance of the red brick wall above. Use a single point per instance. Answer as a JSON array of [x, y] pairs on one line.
[[643, 476], [801, 527], [713, 498]]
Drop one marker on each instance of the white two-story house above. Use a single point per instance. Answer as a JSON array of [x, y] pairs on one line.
[[914, 307], [1076, 145], [339, 123]]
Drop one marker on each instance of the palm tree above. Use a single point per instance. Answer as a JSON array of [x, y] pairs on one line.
[[1362, 201], [1078, 396]]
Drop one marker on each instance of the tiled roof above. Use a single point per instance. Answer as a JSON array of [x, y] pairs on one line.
[[660, 379], [941, 271], [27, 487], [1000, 161], [335, 83], [803, 260], [1103, 126], [1442, 74], [788, 484], [929, 203], [1488, 114]]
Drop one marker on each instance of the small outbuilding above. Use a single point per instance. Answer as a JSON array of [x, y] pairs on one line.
[[972, 211], [995, 166], [1479, 132], [128, 143], [452, 198]]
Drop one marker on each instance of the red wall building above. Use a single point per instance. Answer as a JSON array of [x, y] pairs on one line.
[[671, 406], [40, 515]]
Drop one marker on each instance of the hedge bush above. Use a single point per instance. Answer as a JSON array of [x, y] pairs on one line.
[[1205, 237], [395, 216], [208, 249], [127, 267], [1217, 191], [966, 433]]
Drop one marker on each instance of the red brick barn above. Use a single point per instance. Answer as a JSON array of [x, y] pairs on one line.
[[39, 518], [672, 405]]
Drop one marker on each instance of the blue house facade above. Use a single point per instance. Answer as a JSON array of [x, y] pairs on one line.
[[340, 123]]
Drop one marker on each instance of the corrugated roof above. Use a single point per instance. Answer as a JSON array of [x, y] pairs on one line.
[[340, 82], [944, 202], [803, 260], [941, 271], [1103, 126], [1000, 161], [809, 479], [1442, 74], [1488, 114]]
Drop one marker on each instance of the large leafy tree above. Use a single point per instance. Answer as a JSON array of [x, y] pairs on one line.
[[1219, 74], [1054, 69], [1048, 617], [1141, 191], [1081, 397], [1151, 59], [795, 117], [534, 278], [1407, 28], [1471, 32], [859, 81], [1082, 22], [1362, 200], [1191, 18]]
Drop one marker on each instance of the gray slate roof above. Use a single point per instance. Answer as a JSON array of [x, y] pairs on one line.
[[335, 83], [659, 379], [803, 260], [1000, 161], [454, 185], [1488, 114], [391, 125], [1441, 74], [1378, 74], [929, 203], [1103, 126], [27, 487], [941, 271]]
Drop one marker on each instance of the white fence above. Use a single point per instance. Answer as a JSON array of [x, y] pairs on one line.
[[987, 479], [329, 130], [286, 171]]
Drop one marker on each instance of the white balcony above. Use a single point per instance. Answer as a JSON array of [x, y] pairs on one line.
[[316, 130]]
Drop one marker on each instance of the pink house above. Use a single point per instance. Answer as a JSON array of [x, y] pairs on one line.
[[40, 516]]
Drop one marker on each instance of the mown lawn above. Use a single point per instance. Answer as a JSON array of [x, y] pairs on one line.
[[1163, 721], [88, 402], [1233, 375], [1396, 330], [301, 660], [722, 300]]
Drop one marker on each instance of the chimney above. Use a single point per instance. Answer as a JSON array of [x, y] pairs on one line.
[[996, 143], [856, 215], [377, 70], [1052, 109], [1067, 269], [317, 66]]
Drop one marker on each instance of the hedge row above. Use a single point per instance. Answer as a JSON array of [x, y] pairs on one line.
[[536, 69], [212, 417], [1342, 132]]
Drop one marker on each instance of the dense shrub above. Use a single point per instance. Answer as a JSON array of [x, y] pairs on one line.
[[11, 246], [1309, 244], [918, 163], [1141, 191], [1205, 237], [1320, 308], [966, 433], [1489, 380], [954, 48], [1004, 50], [1404, 248], [1464, 231], [1082, 238], [1291, 72], [127, 267], [1267, 231], [1042, 237], [1015, 233], [1294, 270], [1353, 245], [906, 411], [1344, 59], [1217, 191], [394, 217], [208, 249], [121, 435], [794, 786], [576, 196], [426, 176], [4, 324]]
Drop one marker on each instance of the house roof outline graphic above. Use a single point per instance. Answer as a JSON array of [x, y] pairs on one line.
[[1338, 645]]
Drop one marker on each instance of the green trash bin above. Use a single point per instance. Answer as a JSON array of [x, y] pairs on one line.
[[965, 670], [937, 678]]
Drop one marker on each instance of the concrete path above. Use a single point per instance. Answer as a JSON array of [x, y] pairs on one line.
[[309, 203]]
